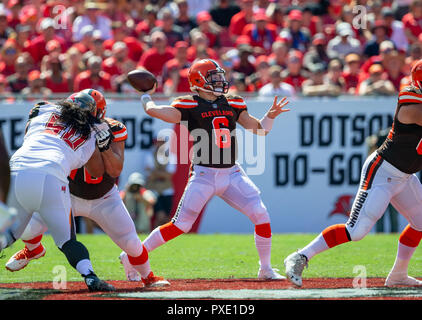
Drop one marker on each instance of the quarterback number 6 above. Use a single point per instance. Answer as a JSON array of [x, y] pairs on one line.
[[222, 135]]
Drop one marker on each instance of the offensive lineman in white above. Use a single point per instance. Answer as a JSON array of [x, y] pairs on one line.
[[59, 138]]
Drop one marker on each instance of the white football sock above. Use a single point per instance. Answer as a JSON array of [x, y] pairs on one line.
[[263, 245], [84, 267], [404, 254], [317, 245], [154, 240]]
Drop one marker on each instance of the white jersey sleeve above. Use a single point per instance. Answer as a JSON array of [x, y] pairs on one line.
[[51, 146]]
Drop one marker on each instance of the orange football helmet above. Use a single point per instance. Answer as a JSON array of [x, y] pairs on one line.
[[416, 74], [208, 76], [100, 100]]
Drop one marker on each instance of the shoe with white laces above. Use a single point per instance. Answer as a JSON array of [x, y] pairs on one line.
[[270, 274], [131, 273], [153, 281], [294, 264], [21, 258], [401, 279]]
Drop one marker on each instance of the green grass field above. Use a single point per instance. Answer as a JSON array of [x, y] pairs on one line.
[[219, 256]]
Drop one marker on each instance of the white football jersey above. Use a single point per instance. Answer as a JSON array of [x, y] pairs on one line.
[[50, 146]]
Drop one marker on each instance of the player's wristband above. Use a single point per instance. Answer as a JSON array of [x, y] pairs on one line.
[[267, 123], [145, 98]]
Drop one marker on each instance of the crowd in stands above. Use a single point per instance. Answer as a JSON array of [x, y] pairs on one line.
[[267, 47]]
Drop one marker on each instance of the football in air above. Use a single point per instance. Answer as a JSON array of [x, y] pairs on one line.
[[142, 80]]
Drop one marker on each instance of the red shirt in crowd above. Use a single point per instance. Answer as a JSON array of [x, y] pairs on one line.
[[6, 70], [192, 53], [295, 80], [63, 86], [37, 47], [154, 61], [237, 23], [134, 47], [261, 38], [84, 81], [351, 80], [183, 85], [412, 24]]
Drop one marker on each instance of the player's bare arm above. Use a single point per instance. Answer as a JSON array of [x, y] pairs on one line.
[[263, 126], [163, 112], [95, 164], [411, 113], [114, 158]]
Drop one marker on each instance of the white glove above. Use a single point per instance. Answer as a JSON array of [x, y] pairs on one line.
[[104, 139]]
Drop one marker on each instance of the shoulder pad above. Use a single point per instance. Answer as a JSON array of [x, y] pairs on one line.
[[236, 101], [410, 94], [184, 102]]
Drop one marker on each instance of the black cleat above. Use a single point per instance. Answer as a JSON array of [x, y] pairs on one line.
[[95, 284]]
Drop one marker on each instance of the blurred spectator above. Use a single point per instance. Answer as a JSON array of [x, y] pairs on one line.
[[184, 20], [318, 85], [275, 14], [8, 55], [223, 11], [37, 46], [180, 59], [376, 84], [13, 19], [154, 58], [398, 35], [177, 81], [172, 31], [93, 77], [35, 86], [199, 47], [21, 37], [344, 43], [209, 28], [86, 42], [239, 84], [72, 62], [261, 33], [278, 55], [351, 72], [92, 16], [5, 30], [4, 88], [97, 48], [415, 54], [29, 16], [19, 80], [412, 21], [300, 36], [52, 71], [118, 62], [294, 74], [334, 77], [139, 202], [393, 62], [262, 75], [276, 87], [244, 64], [159, 170], [143, 28], [380, 32], [121, 33], [241, 19], [317, 52], [311, 22]]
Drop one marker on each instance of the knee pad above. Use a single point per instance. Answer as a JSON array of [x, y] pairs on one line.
[[257, 211], [130, 244]]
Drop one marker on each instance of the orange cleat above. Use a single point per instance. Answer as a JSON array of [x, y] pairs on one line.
[[21, 258], [153, 281]]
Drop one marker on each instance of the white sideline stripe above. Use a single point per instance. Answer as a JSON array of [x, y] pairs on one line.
[[277, 294]]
